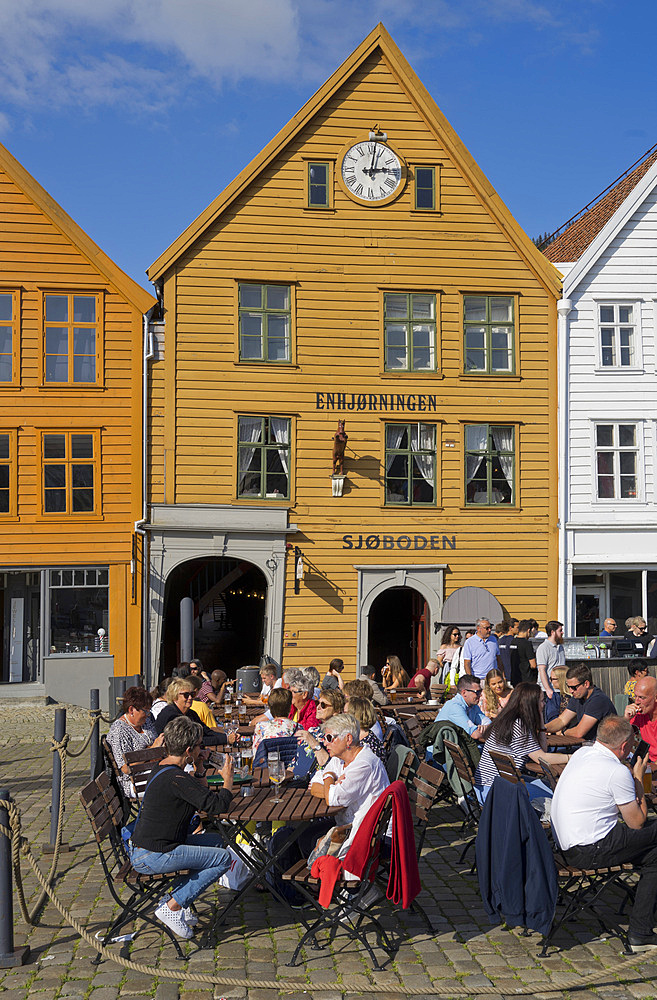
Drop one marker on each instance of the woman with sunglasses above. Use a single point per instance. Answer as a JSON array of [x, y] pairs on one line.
[[330, 703], [134, 730], [449, 655], [394, 675], [179, 696]]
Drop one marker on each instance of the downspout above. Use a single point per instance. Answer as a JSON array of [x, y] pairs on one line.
[[564, 599], [148, 353]]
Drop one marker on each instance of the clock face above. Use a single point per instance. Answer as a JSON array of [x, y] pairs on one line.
[[371, 172]]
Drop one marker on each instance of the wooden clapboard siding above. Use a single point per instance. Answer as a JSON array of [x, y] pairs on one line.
[[41, 249], [338, 262]]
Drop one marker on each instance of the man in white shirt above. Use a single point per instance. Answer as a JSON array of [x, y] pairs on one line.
[[593, 788]]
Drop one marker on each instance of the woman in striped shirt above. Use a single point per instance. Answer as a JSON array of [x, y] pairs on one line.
[[519, 732]]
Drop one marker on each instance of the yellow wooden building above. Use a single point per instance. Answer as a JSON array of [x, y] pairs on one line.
[[71, 332], [360, 268]]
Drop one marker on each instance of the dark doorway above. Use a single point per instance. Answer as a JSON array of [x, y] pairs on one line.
[[20, 605], [229, 613], [399, 623]]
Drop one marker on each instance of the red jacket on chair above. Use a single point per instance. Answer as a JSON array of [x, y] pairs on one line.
[[404, 879]]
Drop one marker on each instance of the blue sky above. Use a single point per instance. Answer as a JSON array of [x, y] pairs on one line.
[[134, 114]]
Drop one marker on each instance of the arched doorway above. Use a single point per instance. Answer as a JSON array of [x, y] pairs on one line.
[[229, 598], [399, 623]]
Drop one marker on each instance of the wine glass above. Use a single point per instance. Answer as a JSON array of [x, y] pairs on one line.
[[276, 775]]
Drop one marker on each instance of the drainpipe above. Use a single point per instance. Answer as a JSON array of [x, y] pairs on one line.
[[148, 354], [565, 601]]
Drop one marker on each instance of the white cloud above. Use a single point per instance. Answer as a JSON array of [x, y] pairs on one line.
[[144, 53]]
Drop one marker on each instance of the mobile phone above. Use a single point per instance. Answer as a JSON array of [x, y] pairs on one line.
[[641, 750]]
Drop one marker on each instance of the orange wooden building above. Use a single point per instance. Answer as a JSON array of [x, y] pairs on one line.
[[71, 336], [360, 268]]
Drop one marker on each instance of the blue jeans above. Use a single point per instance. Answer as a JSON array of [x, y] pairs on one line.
[[535, 789], [201, 853]]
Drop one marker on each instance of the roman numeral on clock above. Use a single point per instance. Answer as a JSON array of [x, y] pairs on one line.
[[358, 189], [389, 183]]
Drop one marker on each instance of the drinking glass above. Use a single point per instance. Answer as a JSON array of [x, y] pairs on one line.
[[276, 775]]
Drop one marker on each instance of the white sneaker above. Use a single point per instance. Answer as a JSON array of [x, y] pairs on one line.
[[175, 921], [190, 915]]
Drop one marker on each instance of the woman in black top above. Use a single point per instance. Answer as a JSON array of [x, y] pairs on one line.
[[180, 695], [161, 842]]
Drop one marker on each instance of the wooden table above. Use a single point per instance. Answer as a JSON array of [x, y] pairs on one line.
[[568, 743], [297, 810]]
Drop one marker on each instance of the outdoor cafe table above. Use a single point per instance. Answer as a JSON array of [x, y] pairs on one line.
[[565, 742], [297, 810]]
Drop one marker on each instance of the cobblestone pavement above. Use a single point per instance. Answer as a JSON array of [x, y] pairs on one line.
[[257, 941]]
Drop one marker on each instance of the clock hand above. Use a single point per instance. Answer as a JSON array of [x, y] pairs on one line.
[[371, 170]]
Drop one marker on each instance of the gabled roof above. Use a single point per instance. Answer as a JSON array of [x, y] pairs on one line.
[[129, 289], [436, 122], [577, 237]]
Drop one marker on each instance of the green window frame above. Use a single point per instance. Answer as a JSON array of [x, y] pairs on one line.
[[409, 331], [265, 319], [425, 189], [7, 473], [263, 445], [410, 465], [70, 473], [71, 343], [490, 465], [319, 175], [489, 332]]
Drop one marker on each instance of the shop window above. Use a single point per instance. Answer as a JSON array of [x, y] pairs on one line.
[[489, 464], [489, 334], [410, 459], [265, 318], [616, 461], [70, 474], [319, 184], [410, 331], [617, 331], [264, 457], [7, 473], [9, 334], [71, 339], [79, 607]]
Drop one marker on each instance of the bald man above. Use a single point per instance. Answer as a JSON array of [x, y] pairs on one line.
[[643, 713], [609, 629]]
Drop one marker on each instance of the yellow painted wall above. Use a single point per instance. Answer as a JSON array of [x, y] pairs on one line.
[[339, 261], [38, 254]]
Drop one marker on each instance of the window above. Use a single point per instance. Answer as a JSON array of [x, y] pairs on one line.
[[8, 336], [489, 464], [616, 461], [411, 464], [79, 607], [69, 473], [489, 333], [264, 456], [7, 473], [264, 320], [425, 188], [318, 180], [410, 331], [617, 336], [71, 339]]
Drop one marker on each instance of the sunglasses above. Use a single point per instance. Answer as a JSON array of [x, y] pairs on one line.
[[330, 737], [187, 694], [573, 687], [324, 704]]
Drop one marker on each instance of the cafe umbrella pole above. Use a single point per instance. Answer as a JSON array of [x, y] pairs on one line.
[[10, 957]]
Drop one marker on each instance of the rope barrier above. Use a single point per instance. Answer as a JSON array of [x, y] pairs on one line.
[[20, 845], [94, 716]]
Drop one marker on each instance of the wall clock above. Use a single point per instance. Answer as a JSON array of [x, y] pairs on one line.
[[371, 172]]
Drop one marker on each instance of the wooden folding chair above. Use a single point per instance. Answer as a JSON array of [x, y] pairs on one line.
[[468, 801], [412, 728], [141, 893], [130, 806], [506, 767], [141, 764], [349, 910]]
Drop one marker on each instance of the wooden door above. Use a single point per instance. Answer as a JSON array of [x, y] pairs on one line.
[[421, 625]]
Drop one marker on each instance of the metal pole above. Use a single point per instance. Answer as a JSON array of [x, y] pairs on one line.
[[60, 729], [9, 956], [94, 746], [186, 629]]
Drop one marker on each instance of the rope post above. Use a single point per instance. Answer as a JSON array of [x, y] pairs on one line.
[[94, 746], [58, 735], [9, 956]]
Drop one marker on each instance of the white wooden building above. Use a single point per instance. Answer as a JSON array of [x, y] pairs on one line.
[[608, 406]]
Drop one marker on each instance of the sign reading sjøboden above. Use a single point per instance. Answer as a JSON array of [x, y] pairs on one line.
[[417, 542]]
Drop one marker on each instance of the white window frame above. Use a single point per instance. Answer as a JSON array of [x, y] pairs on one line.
[[615, 301], [638, 423]]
